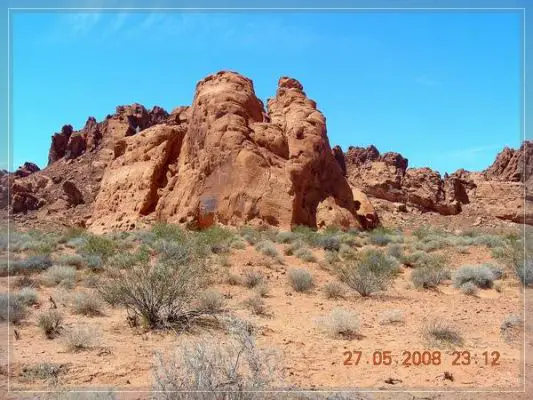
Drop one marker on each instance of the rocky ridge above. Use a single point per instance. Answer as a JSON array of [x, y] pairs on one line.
[[228, 159]]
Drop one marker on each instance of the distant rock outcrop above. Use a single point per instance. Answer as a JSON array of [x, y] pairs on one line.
[[498, 191]]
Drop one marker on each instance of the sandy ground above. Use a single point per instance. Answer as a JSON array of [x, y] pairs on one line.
[[123, 357]]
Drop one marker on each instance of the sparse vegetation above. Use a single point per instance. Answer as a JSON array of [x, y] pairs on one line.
[[440, 332], [211, 300], [74, 260], [305, 254], [161, 295], [59, 275], [479, 275], [256, 305], [341, 323], [268, 249], [27, 296], [80, 338], [44, 371], [218, 369], [232, 279], [334, 290], [252, 278], [469, 289], [300, 279], [431, 270], [373, 271], [392, 317], [86, 304], [11, 308], [50, 322]]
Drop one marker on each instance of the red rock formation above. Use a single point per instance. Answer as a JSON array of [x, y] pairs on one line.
[[512, 165], [228, 161]]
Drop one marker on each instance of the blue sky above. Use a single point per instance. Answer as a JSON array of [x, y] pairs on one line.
[[442, 88]]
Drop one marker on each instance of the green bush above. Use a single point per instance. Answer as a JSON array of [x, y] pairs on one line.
[[95, 263], [395, 250], [469, 289], [98, 246], [300, 279], [173, 253], [372, 272], [31, 264], [160, 294]]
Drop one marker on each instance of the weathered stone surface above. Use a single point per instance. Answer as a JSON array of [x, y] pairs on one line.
[[329, 214], [73, 194]]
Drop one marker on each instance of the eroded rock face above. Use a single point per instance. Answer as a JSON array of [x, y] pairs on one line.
[[226, 159], [513, 165], [498, 191]]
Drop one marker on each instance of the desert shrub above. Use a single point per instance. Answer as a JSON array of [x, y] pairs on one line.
[[252, 278], [300, 279], [379, 238], [262, 290], [347, 253], [76, 242], [251, 235], [59, 275], [307, 235], [50, 322], [440, 332], [341, 323], [256, 305], [373, 271], [26, 281], [334, 290], [267, 248], [211, 300], [126, 259], [80, 338], [166, 231], [94, 262], [491, 241], [511, 327], [11, 308], [498, 272], [330, 242], [415, 259], [331, 257], [469, 289], [305, 254], [286, 237], [431, 273], [511, 321], [238, 244], [160, 294], [392, 317], [31, 264], [98, 246], [294, 247], [74, 260], [175, 253], [27, 296], [479, 275], [395, 250], [44, 371], [233, 279], [236, 369], [86, 304]]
